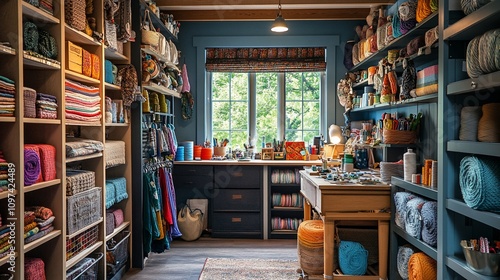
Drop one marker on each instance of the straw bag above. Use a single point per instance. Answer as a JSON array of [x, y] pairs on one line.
[[149, 35], [190, 223]]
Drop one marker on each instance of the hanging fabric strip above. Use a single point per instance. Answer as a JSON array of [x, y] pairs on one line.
[[174, 230]]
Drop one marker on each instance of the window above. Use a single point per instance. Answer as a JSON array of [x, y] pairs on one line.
[[265, 106]]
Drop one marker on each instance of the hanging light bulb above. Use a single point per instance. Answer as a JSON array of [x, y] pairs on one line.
[[279, 24]]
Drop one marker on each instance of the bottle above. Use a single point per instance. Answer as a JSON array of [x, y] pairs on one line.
[[409, 164]]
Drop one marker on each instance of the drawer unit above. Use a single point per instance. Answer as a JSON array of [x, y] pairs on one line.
[[236, 224], [193, 170], [233, 176], [241, 200]]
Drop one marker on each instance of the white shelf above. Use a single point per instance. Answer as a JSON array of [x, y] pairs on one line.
[[117, 230], [30, 246], [80, 256], [68, 236], [81, 78], [78, 37], [41, 185], [75, 159], [38, 14], [161, 89]]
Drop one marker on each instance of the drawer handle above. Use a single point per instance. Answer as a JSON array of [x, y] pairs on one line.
[[473, 85], [238, 174], [236, 220], [237, 196]]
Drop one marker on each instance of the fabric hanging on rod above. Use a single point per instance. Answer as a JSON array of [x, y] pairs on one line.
[[174, 229], [160, 244], [150, 227]]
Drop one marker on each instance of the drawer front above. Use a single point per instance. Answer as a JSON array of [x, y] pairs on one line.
[[237, 199], [233, 176], [193, 181], [193, 170], [237, 222]]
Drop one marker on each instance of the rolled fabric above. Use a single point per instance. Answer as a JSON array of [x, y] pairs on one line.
[[48, 161], [488, 129], [429, 223], [421, 267], [413, 218], [488, 51], [404, 254], [469, 6], [469, 120], [31, 166], [472, 59], [400, 201], [423, 10], [431, 36], [479, 180], [353, 258]]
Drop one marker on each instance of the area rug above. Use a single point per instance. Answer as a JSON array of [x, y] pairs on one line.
[[246, 269]]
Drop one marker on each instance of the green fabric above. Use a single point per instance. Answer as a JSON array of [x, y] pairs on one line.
[[150, 225]]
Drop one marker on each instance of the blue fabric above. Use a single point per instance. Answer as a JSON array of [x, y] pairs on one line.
[[404, 254], [353, 258], [429, 223], [480, 183], [400, 200], [120, 187], [413, 219], [109, 77], [110, 194]]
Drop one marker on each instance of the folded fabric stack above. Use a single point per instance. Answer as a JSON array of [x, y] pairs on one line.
[[76, 147], [7, 99], [82, 102], [46, 5], [46, 106], [4, 240], [4, 173], [37, 223]]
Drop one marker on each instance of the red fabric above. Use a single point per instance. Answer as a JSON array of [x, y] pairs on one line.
[[37, 151], [167, 208]]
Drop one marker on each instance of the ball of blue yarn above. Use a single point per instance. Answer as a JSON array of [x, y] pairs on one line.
[[353, 258]]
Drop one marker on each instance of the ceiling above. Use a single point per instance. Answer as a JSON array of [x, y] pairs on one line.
[[253, 10]]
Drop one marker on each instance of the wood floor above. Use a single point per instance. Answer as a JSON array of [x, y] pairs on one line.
[[185, 260]]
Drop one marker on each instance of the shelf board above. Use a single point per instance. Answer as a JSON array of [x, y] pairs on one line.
[[109, 86], [117, 124], [42, 185], [419, 189], [7, 50], [284, 231], [158, 24], [51, 235], [420, 29], [82, 123], [75, 159], [38, 14], [422, 246], [473, 147], [117, 230], [39, 63], [424, 55], [486, 82], [158, 113], [7, 119], [5, 194], [68, 236], [149, 50], [110, 54], [475, 23], [287, 208], [78, 37], [41, 121], [487, 218], [81, 78], [5, 259], [459, 265], [161, 89], [430, 98], [360, 83], [80, 256]]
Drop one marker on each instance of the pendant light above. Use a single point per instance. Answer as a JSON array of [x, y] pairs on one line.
[[279, 24]]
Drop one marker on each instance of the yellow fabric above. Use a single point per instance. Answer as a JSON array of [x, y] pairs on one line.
[[421, 267]]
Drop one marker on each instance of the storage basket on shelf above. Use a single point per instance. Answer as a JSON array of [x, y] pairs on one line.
[[29, 102], [86, 269], [78, 181], [81, 241], [392, 136], [117, 252], [83, 209], [74, 13]]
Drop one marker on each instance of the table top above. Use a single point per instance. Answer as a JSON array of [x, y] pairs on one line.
[[324, 184], [255, 162]]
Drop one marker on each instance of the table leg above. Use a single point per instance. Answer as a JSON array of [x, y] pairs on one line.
[[328, 249], [307, 210], [383, 247]]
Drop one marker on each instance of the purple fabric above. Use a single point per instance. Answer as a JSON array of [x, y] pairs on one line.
[[31, 167], [407, 25], [174, 229]]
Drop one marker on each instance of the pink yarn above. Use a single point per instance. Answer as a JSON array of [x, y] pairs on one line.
[[186, 87]]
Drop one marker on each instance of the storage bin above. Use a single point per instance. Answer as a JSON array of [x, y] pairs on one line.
[[81, 241], [86, 269], [117, 252], [83, 209], [78, 181], [29, 102], [392, 136], [34, 269], [74, 57]]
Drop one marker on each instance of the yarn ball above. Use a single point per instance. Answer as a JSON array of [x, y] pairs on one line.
[[353, 258]]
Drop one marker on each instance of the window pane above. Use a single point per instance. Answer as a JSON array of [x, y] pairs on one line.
[[238, 138], [311, 85], [311, 116], [267, 106], [293, 86], [239, 86], [239, 115], [293, 115], [220, 115], [220, 86]]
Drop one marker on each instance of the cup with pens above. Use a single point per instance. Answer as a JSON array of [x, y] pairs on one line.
[[400, 130], [220, 147]]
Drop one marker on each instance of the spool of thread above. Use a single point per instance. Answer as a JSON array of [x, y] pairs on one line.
[[179, 156], [410, 164], [197, 152], [416, 178], [427, 172], [206, 153], [434, 176], [188, 149], [469, 120], [488, 128]]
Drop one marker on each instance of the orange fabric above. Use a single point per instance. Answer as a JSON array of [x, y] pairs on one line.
[[421, 267], [310, 233], [423, 9]]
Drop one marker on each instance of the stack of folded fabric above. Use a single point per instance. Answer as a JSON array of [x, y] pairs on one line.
[[82, 102], [37, 223], [47, 5], [4, 240], [4, 175], [7, 99], [46, 106]]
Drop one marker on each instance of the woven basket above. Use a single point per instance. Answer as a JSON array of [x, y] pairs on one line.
[[117, 252], [83, 209], [29, 102], [114, 153], [78, 181], [81, 241], [34, 269], [399, 136], [311, 260], [74, 13]]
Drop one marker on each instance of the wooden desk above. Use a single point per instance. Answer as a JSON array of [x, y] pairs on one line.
[[347, 202]]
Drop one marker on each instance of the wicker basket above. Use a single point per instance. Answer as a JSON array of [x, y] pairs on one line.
[[392, 136], [114, 153], [86, 269], [74, 11], [311, 260], [83, 209], [81, 242], [117, 252], [78, 181], [29, 102]]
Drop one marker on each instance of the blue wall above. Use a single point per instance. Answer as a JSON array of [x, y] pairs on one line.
[[188, 129]]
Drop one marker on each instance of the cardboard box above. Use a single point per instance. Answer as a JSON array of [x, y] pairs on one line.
[[74, 56]]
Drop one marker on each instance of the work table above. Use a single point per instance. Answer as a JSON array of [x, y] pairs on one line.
[[254, 162]]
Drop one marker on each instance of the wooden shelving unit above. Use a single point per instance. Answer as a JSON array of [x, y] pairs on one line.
[[30, 246], [80, 256], [42, 185]]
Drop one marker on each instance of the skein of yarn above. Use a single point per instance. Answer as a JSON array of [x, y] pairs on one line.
[[404, 254], [410, 164], [469, 120], [488, 128], [422, 267]]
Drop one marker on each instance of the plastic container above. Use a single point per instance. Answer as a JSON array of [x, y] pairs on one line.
[[206, 153]]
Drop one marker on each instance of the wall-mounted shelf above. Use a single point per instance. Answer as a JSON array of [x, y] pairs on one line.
[[40, 63], [422, 246], [117, 230], [42, 185], [41, 121], [360, 84], [37, 14], [158, 24], [7, 50], [430, 98], [7, 119], [460, 266], [472, 147], [149, 50], [109, 86], [30, 246], [82, 78], [68, 236], [488, 218], [117, 125], [475, 23], [82, 123], [75, 159], [115, 56], [486, 82], [78, 37], [415, 188], [161, 89], [5, 194]]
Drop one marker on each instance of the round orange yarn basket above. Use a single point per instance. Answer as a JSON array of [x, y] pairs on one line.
[[310, 246], [421, 267]]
